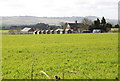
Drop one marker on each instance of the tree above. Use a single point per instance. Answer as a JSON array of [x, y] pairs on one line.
[[117, 26], [98, 21], [86, 21], [108, 27], [41, 26], [103, 21], [64, 25], [82, 27], [103, 25]]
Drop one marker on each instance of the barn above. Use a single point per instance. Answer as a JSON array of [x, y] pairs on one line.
[[77, 27], [27, 30], [73, 26]]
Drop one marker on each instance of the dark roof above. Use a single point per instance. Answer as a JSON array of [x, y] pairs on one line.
[[73, 25]]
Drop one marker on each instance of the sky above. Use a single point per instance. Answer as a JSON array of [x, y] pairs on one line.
[[60, 8]]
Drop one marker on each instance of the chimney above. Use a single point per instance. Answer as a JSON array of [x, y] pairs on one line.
[[76, 22]]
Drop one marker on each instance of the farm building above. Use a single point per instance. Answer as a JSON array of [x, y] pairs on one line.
[[52, 31], [58, 31], [77, 27], [97, 31], [73, 26], [27, 30], [62, 31], [38, 32], [47, 31], [35, 32]]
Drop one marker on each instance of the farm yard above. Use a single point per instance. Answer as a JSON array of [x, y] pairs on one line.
[[69, 56]]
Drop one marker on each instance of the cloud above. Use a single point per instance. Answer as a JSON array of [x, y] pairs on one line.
[[59, 7]]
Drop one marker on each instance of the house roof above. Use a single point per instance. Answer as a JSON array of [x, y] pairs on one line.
[[59, 29], [26, 29], [72, 24]]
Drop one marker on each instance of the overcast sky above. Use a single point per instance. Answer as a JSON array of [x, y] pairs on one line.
[[59, 8]]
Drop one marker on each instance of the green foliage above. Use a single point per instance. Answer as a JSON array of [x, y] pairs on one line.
[[98, 21], [117, 26], [103, 21], [105, 27], [64, 25], [86, 21], [79, 56]]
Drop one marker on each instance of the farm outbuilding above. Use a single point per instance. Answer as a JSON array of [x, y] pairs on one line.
[[27, 30], [59, 31], [74, 26], [43, 32], [35, 32], [38, 32], [47, 31], [97, 31], [69, 31], [52, 31]]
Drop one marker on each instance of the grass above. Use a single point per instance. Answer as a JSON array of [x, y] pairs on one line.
[[78, 56], [114, 29], [7, 31], [4, 31]]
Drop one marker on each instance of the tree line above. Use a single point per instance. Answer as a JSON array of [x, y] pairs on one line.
[[103, 25], [86, 24]]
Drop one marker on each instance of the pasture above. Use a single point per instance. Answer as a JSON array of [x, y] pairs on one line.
[[4, 31], [69, 56]]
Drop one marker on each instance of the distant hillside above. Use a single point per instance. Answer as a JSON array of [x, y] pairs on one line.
[[28, 20]]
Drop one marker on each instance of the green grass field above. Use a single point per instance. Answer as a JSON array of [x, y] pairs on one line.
[[4, 31], [77, 56], [113, 29]]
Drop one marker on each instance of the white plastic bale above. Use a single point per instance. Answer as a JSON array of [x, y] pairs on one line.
[[34, 32], [38, 32]]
